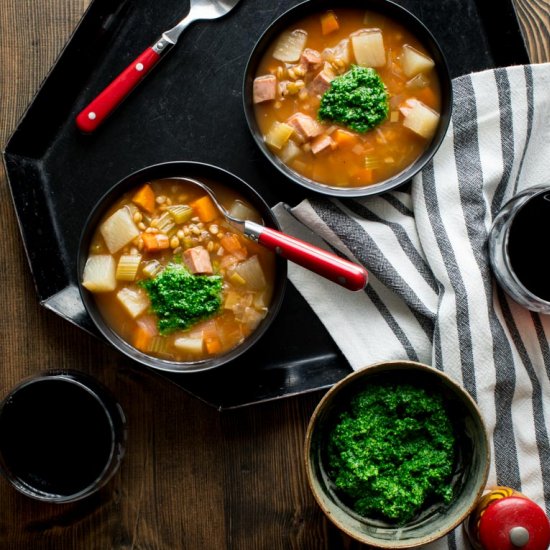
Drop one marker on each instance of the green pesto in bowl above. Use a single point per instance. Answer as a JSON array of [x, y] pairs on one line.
[[392, 451], [398, 521]]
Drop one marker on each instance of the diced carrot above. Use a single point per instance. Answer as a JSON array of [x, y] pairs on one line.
[[329, 22], [205, 209], [231, 242], [428, 97], [363, 176], [343, 138], [213, 345], [153, 242], [144, 333], [145, 198]]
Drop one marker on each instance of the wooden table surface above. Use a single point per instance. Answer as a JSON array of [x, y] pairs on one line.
[[192, 477]]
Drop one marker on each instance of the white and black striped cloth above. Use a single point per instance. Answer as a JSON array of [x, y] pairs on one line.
[[431, 295]]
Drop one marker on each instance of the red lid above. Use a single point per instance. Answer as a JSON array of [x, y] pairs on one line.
[[514, 522]]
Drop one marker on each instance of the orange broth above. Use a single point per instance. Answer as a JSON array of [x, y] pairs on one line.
[[362, 158], [243, 304]]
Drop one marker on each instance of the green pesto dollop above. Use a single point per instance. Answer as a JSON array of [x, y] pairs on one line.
[[392, 451], [357, 99], [180, 299]]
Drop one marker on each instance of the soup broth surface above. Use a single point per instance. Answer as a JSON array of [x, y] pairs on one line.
[[338, 156]]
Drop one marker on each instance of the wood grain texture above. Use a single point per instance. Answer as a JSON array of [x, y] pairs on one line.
[[192, 477], [534, 18]]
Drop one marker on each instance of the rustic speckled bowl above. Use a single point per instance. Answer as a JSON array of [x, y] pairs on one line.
[[471, 469]]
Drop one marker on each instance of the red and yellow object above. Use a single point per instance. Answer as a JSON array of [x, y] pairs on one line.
[[505, 519]]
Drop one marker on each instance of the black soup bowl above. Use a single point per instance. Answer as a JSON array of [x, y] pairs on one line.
[[372, 175], [149, 347]]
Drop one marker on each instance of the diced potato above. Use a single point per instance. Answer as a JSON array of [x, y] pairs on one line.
[[290, 151], [99, 273], [118, 230], [189, 344], [253, 274], [127, 267], [278, 134], [290, 46], [368, 48], [133, 300], [414, 62], [419, 118], [241, 211]]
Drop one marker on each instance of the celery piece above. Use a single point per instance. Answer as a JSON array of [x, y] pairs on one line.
[[372, 162], [151, 268], [127, 267], [278, 134], [181, 213], [237, 279], [158, 345], [165, 223]]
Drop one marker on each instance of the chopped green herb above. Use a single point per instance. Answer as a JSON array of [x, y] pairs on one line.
[[180, 299], [358, 99], [393, 451]]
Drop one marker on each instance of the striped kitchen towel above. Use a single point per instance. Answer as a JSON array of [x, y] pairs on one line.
[[431, 295]]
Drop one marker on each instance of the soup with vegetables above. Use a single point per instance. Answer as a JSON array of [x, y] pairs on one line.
[[347, 98], [172, 278]]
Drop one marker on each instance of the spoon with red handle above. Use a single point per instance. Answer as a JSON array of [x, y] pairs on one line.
[[343, 272]]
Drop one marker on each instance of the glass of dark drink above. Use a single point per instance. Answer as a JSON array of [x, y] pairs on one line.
[[516, 248], [62, 436]]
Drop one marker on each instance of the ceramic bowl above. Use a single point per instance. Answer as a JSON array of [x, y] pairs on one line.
[[470, 470], [165, 171], [384, 7]]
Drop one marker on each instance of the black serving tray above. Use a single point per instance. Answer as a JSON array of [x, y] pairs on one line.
[[190, 108]]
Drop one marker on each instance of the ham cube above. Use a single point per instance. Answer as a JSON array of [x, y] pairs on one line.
[[321, 83], [305, 126], [197, 259], [264, 88], [310, 57], [321, 143]]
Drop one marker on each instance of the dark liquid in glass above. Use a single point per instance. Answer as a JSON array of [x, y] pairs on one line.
[[526, 250], [55, 437]]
